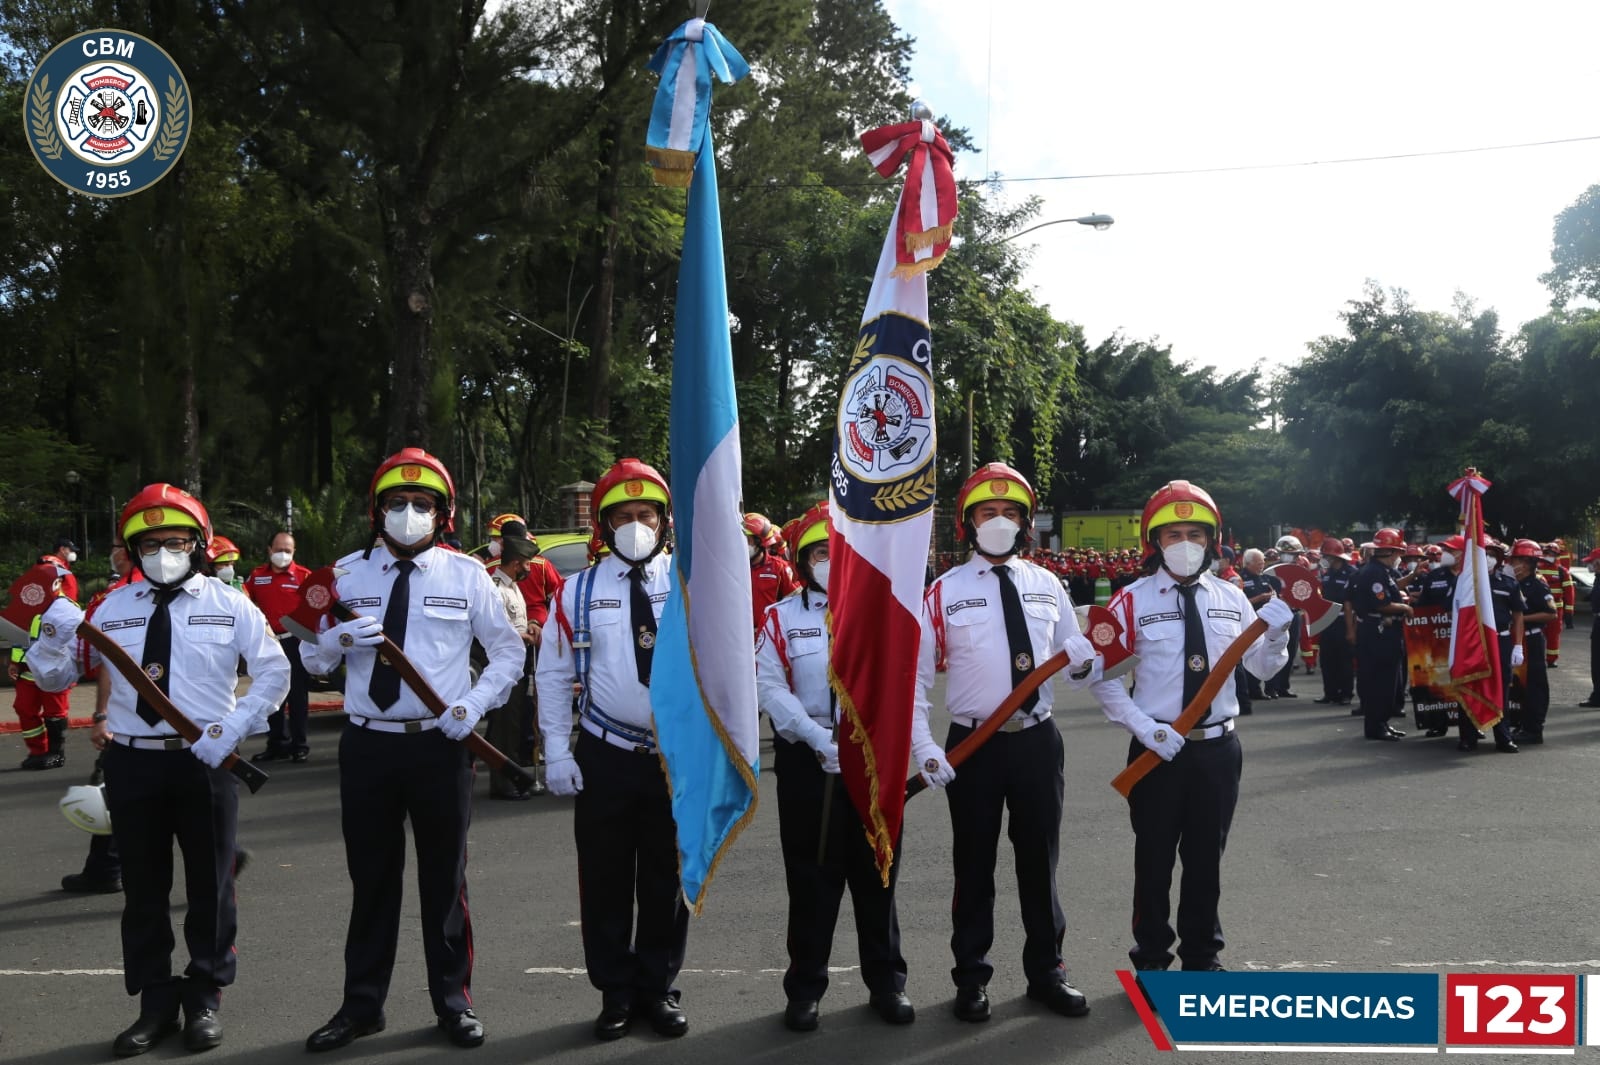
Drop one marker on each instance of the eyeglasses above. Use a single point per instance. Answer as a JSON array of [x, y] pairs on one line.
[[178, 545], [421, 506]]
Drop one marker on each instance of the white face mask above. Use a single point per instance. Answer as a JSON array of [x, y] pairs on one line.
[[407, 527], [165, 567], [997, 537], [1326, 565], [755, 551], [494, 548], [634, 541], [819, 574], [1447, 558], [225, 574], [281, 559], [72, 556], [1184, 558]]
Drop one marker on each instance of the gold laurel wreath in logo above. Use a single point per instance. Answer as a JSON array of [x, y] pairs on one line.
[[907, 493], [172, 125], [44, 123]]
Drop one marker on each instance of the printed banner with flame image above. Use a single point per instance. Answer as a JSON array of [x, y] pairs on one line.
[[1434, 699]]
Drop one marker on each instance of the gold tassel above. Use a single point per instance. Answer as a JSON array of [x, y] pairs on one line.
[[671, 167], [906, 271], [928, 237], [877, 833]]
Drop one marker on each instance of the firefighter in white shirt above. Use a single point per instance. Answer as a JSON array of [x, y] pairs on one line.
[[988, 622], [792, 684], [603, 642], [398, 761], [1179, 620], [188, 632]]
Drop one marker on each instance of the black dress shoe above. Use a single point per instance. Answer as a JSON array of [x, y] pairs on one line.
[[1506, 746], [1590, 703], [1062, 997], [666, 1017], [894, 1007], [1387, 737], [1435, 731], [300, 756], [464, 1029], [800, 1015], [342, 1031], [1287, 695], [613, 1022], [972, 1003], [1324, 701], [1396, 733], [143, 1034], [202, 1030], [270, 755], [83, 883], [1212, 966]]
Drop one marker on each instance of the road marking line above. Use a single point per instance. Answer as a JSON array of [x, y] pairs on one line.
[[60, 972], [560, 970]]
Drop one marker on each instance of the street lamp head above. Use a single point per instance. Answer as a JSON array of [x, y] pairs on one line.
[[73, 477], [1099, 221]]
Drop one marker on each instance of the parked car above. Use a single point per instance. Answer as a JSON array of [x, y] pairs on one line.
[[1583, 577], [567, 551]]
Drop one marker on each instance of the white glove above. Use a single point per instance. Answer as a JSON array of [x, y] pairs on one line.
[[828, 755], [563, 776], [1517, 656], [1276, 613], [220, 739], [1163, 739], [457, 722], [1079, 649], [59, 625], [361, 631], [937, 772]]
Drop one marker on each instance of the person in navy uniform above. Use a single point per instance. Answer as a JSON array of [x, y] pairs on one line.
[[1374, 623], [1592, 559], [1508, 610], [1338, 674], [1260, 588], [792, 684], [1539, 610], [188, 632], [990, 621], [399, 762], [630, 897], [1180, 620]]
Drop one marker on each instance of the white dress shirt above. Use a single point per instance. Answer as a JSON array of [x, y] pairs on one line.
[[961, 614], [452, 601], [511, 598], [213, 626], [1151, 612], [614, 684], [792, 667]]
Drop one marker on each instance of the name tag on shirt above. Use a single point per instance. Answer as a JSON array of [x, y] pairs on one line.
[[1156, 619], [211, 619], [122, 623], [444, 600], [1222, 612], [964, 604], [356, 604], [605, 604], [801, 634], [260, 580], [658, 597], [1038, 597]]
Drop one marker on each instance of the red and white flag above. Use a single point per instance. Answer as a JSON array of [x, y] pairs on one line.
[[883, 481], [1474, 643]]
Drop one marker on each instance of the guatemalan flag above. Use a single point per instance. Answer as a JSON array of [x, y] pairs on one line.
[[883, 480], [1474, 643], [703, 677]]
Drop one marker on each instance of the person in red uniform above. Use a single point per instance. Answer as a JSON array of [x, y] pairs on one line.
[[771, 578], [42, 714], [1554, 574], [274, 587], [62, 554]]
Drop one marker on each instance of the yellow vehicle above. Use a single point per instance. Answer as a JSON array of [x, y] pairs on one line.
[[1101, 530], [567, 551]]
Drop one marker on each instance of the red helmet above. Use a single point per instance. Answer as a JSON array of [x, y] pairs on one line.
[[1313, 556], [1552, 551], [222, 549], [786, 536], [995, 480], [1333, 548], [163, 506], [412, 467], [1349, 544], [499, 520], [758, 527], [1456, 544], [1179, 501], [1433, 552], [1412, 551], [1388, 540], [1525, 549], [809, 528], [1493, 546], [627, 480]]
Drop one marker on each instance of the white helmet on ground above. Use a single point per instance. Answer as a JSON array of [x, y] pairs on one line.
[[85, 806]]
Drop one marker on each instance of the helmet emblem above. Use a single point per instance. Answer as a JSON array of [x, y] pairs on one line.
[[634, 489], [999, 488], [1183, 510], [411, 473], [154, 517]]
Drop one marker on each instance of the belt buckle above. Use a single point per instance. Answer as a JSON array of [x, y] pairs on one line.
[[1015, 724], [172, 743], [413, 726], [640, 748]]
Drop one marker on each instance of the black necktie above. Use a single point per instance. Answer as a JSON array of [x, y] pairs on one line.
[[384, 686], [1196, 662], [643, 623], [1016, 635], [157, 652]]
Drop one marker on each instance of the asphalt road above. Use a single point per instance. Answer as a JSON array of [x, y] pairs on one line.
[[1345, 854]]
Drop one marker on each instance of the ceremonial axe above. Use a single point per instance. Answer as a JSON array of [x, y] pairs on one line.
[[32, 594], [1302, 591], [1104, 631], [319, 599]]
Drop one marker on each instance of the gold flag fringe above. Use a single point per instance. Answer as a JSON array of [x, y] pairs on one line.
[[929, 237], [877, 833], [671, 166], [906, 271]]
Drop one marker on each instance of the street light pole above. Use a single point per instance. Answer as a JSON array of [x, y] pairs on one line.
[[1101, 222]]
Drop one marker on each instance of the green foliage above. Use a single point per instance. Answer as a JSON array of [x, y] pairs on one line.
[[1575, 252]]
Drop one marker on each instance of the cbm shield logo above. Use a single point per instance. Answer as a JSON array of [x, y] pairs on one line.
[[107, 113]]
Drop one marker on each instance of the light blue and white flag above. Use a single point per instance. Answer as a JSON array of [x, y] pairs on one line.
[[703, 679], [679, 127]]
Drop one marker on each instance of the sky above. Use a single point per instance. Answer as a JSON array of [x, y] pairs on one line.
[[1240, 269]]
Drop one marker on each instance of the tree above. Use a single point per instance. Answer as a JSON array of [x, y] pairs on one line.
[[1575, 252]]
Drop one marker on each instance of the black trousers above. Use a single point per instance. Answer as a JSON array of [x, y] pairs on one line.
[[815, 891], [1536, 692], [1380, 662], [1594, 656], [385, 778], [1183, 809], [1023, 773], [1338, 676], [627, 855], [286, 726], [507, 724], [156, 797], [1241, 689], [1280, 680]]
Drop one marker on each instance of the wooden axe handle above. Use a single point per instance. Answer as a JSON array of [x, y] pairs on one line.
[[1199, 706], [110, 650], [431, 699], [1002, 713]]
